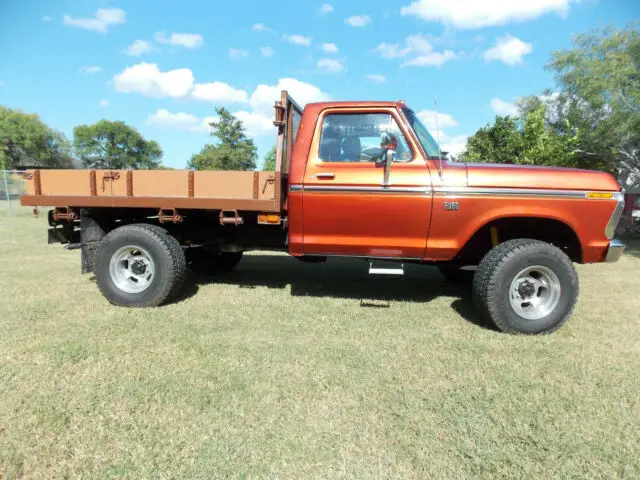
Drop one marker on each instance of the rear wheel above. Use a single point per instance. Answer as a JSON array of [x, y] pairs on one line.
[[139, 266], [526, 286]]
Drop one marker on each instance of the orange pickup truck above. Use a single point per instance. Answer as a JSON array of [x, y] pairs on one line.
[[357, 179]]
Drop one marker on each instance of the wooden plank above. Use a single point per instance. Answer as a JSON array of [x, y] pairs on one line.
[[190, 184], [36, 182], [92, 183], [130, 183], [256, 184]]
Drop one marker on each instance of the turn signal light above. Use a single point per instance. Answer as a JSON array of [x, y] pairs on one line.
[[269, 218], [599, 195]]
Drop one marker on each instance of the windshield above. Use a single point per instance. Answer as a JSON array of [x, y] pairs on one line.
[[429, 145]]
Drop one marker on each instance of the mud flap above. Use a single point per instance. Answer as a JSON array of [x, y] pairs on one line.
[[90, 235]]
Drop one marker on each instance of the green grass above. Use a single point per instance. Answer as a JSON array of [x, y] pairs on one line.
[[287, 370]]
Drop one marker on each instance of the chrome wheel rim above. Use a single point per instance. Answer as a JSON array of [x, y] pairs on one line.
[[132, 269], [534, 292]]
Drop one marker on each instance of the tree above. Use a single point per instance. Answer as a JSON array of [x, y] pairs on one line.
[[270, 160], [497, 143], [599, 97], [26, 141], [234, 150], [115, 145], [528, 141]]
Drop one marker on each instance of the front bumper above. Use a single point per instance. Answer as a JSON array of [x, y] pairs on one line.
[[614, 252]]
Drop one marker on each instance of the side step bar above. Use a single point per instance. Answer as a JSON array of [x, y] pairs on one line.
[[380, 270]]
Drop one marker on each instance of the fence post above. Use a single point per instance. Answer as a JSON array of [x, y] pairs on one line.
[[6, 189]]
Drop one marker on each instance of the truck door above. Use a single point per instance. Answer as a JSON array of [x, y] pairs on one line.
[[347, 210]]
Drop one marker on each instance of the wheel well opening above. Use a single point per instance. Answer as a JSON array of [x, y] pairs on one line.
[[547, 230]]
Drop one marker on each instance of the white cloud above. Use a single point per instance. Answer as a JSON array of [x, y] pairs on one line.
[[417, 47], [187, 40], [326, 8], [103, 19], [261, 27], [428, 117], [138, 48], [256, 124], [297, 39], [104, 103], [329, 47], [330, 65], [508, 50], [500, 107], [264, 96], [377, 78], [91, 70], [2, 84], [179, 120], [218, 92], [236, 53], [46, 18], [431, 59], [358, 20], [147, 79], [267, 51], [258, 120], [485, 13], [455, 145]]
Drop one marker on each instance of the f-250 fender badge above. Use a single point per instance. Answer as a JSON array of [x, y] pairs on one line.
[[451, 206]]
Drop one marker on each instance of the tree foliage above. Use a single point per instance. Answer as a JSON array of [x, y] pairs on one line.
[[599, 82], [26, 141], [115, 145], [528, 141], [270, 160], [234, 151]]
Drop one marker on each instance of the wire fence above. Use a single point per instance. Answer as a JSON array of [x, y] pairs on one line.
[[12, 185]]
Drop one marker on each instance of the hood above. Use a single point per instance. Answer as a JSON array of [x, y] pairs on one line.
[[526, 176]]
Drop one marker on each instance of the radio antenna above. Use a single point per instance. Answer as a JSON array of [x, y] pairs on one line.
[[435, 106]]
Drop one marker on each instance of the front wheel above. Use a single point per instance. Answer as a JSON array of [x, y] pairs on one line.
[[526, 286], [139, 265]]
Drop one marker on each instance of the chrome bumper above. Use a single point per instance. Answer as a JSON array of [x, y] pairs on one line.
[[616, 247]]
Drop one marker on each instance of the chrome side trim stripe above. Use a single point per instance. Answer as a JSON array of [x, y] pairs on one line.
[[357, 189], [511, 192], [451, 191]]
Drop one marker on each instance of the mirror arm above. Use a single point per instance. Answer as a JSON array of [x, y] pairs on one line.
[[387, 166]]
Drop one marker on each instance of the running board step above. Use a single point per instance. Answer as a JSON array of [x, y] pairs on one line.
[[381, 270]]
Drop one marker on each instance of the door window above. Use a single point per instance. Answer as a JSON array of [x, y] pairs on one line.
[[355, 137]]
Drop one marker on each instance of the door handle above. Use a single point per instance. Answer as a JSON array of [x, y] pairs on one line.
[[325, 176]]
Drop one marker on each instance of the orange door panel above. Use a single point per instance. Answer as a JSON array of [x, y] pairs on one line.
[[348, 211]]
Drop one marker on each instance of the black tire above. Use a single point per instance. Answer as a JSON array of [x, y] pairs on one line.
[[227, 261], [456, 274], [166, 253], [497, 270]]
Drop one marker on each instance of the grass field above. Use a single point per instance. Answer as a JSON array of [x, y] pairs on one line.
[[287, 370]]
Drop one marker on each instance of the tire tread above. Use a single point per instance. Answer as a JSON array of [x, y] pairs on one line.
[[485, 294]]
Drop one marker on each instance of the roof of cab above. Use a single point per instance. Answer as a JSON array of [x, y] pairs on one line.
[[356, 104]]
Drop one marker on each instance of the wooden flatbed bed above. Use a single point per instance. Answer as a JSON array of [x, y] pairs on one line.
[[159, 189]]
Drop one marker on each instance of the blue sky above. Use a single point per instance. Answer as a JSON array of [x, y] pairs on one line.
[[163, 66]]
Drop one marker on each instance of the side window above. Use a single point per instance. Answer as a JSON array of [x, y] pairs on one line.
[[355, 137]]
